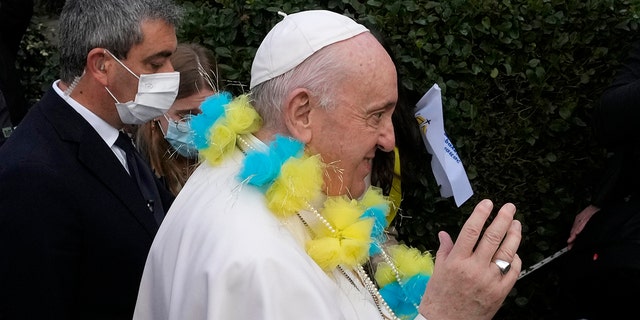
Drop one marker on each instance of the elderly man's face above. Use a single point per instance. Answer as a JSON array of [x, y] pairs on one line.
[[349, 134]]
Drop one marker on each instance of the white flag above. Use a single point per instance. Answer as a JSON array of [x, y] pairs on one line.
[[445, 163]]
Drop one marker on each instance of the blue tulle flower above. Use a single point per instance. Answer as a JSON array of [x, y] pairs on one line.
[[404, 299], [379, 225], [261, 169], [212, 109]]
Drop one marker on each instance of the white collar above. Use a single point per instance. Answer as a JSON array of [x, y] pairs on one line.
[[108, 133]]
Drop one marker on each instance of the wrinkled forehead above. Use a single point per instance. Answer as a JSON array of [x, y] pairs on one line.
[[368, 69]]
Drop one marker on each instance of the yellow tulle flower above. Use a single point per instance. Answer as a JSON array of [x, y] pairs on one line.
[[374, 197], [329, 252], [408, 261], [299, 182], [348, 242], [222, 142], [240, 116], [341, 211]]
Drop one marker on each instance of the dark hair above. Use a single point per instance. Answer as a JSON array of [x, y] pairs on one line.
[[111, 24]]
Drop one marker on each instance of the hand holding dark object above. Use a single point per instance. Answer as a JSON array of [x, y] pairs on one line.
[[579, 222]]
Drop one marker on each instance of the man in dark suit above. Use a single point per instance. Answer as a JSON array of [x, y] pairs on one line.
[[600, 276], [75, 229]]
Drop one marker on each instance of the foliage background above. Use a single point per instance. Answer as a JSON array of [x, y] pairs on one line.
[[519, 80]]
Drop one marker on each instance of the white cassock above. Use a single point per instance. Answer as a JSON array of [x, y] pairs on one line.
[[221, 254]]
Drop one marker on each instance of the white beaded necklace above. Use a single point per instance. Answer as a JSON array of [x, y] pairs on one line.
[[362, 274], [369, 285], [244, 145]]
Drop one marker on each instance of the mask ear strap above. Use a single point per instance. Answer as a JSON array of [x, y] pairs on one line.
[[111, 94], [157, 122], [122, 64]]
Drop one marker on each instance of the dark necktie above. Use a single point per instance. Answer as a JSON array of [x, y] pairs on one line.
[[142, 176]]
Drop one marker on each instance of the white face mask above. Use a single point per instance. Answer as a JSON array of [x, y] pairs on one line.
[[156, 94]]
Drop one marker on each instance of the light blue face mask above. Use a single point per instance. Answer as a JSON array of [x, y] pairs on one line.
[[180, 137]]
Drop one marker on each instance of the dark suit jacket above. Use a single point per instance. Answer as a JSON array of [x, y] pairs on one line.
[[615, 123], [74, 229]]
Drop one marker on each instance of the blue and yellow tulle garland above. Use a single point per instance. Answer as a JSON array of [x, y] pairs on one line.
[[291, 179]]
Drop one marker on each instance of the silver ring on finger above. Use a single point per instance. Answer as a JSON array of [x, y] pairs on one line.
[[504, 266]]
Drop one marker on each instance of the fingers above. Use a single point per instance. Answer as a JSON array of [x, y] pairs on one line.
[[501, 231], [572, 238], [580, 222], [575, 230], [500, 240], [472, 229], [465, 270], [507, 250], [516, 267], [446, 244]]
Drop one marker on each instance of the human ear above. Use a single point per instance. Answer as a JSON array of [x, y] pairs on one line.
[[97, 65], [297, 111]]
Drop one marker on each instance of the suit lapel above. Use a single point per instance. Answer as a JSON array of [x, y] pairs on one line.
[[110, 171], [97, 157]]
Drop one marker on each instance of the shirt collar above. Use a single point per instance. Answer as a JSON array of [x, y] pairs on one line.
[[108, 133]]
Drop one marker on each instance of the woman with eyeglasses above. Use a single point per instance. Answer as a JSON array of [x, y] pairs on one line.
[[165, 141]]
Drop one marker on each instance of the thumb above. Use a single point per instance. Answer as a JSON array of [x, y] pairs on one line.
[[446, 244]]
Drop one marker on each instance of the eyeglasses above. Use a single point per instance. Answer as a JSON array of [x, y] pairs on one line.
[[183, 125]]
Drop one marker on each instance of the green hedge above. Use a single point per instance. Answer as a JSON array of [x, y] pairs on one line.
[[519, 79]]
